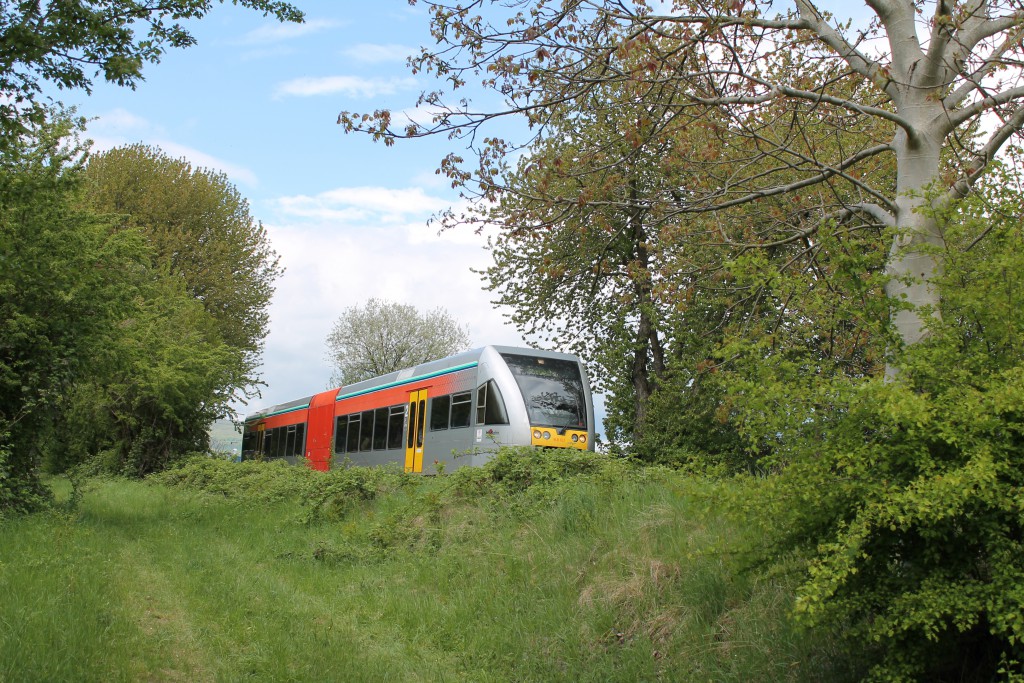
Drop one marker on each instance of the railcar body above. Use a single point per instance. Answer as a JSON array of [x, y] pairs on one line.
[[446, 413]]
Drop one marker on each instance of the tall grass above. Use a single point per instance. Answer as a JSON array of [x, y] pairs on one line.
[[537, 568]]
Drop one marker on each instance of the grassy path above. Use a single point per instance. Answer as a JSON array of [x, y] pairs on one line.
[[150, 583]]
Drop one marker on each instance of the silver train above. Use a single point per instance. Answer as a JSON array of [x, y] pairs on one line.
[[440, 415]]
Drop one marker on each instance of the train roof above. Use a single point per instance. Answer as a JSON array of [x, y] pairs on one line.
[[467, 359]]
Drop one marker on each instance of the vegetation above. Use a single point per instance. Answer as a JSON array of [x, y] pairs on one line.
[[383, 336], [814, 220], [109, 349], [532, 569], [795, 263], [86, 316]]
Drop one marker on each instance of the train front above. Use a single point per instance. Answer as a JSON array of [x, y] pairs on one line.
[[556, 409]]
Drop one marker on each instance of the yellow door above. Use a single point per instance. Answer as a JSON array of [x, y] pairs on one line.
[[414, 435]]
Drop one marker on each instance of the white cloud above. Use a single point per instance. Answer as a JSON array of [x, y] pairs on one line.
[[350, 203], [280, 32], [353, 86], [371, 53]]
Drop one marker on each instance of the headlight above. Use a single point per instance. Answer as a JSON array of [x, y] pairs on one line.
[[575, 438], [536, 433], [583, 438], [547, 435]]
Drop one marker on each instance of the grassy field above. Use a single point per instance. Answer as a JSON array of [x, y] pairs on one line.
[[231, 572]]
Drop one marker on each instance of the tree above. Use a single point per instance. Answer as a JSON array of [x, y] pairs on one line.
[[163, 376], [64, 285], [201, 231], [382, 336], [69, 44], [646, 288], [190, 342], [731, 63]]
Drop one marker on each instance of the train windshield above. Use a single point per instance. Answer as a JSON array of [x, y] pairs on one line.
[[552, 388]]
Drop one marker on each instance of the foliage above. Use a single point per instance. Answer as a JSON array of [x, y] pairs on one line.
[[70, 43], [169, 378], [383, 336], [66, 280], [908, 490], [64, 284], [596, 253], [793, 101], [189, 341], [201, 231]]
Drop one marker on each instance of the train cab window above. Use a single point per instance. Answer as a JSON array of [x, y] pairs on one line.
[[439, 409], [490, 408], [352, 444], [396, 421], [461, 409]]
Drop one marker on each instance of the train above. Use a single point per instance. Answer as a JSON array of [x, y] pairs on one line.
[[437, 416]]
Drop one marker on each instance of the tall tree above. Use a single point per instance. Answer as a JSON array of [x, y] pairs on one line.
[[190, 343], [69, 44], [383, 336], [593, 251], [64, 286], [201, 231], [930, 78]]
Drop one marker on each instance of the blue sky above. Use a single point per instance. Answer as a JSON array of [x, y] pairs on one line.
[[260, 101]]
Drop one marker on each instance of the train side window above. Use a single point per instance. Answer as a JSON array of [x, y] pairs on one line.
[[340, 433], [490, 407], [380, 429], [396, 421], [289, 444], [353, 433], [248, 442], [439, 407], [300, 439], [366, 436], [461, 408]]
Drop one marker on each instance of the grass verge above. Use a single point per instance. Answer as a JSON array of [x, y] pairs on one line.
[[538, 567]]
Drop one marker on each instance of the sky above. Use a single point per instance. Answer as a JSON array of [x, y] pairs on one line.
[[350, 218]]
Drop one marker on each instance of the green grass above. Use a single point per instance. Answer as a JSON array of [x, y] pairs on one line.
[[515, 573]]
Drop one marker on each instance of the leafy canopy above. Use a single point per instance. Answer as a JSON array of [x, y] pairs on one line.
[[383, 336]]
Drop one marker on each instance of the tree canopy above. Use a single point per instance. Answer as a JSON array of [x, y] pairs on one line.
[[737, 70], [201, 231], [383, 336]]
